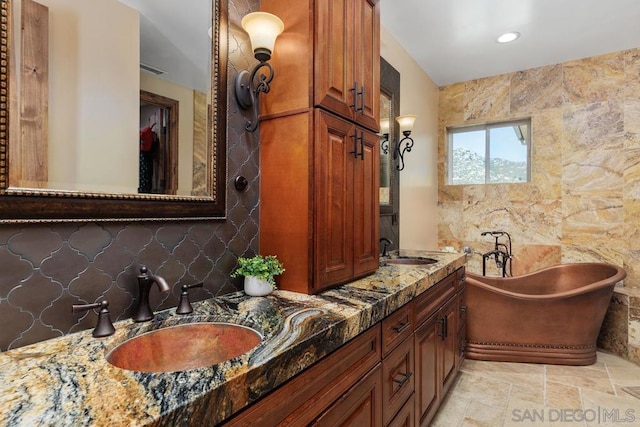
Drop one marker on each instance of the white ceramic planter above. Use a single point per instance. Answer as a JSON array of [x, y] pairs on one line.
[[256, 287]]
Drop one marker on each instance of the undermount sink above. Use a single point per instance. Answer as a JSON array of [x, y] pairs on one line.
[[411, 261], [183, 347]]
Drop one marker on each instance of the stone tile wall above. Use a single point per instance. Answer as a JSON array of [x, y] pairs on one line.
[[46, 268], [583, 203]]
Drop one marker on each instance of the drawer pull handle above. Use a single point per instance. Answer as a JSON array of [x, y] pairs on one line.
[[402, 381], [355, 144], [401, 327], [443, 328], [354, 89], [361, 95], [463, 309]]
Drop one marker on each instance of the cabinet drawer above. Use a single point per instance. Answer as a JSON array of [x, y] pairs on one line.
[[427, 303], [398, 378], [406, 416], [396, 327], [305, 396], [360, 406]]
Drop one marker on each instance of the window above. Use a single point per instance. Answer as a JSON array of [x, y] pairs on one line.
[[490, 154]]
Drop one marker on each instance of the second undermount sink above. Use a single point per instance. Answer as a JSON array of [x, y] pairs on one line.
[[183, 347], [411, 260]]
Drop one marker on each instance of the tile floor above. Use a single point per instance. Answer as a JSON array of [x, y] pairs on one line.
[[497, 394]]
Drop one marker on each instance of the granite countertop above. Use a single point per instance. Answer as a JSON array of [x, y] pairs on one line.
[[67, 381]]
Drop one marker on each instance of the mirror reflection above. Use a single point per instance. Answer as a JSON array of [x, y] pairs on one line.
[[113, 96], [387, 117]]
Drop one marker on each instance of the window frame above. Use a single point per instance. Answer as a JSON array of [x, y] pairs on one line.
[[486, 127]]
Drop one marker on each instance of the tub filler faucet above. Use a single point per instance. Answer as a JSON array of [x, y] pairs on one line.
[[501, 253], [145, 281], [385, 246]]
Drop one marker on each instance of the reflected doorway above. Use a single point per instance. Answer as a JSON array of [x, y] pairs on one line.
[[158, 166]]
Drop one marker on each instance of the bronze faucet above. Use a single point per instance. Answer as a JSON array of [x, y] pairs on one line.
[[184, 307], [104, 327], [145, 281]]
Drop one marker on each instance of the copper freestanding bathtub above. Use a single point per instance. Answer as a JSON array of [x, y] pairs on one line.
[[550, 316]]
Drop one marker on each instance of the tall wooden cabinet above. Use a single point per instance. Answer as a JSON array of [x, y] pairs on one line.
[[319, 153]]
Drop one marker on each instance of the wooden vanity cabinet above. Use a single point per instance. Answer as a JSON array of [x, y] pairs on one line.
[[319, 152], [394, 374]]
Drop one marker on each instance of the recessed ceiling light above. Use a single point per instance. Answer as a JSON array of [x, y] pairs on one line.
[[508, 37]]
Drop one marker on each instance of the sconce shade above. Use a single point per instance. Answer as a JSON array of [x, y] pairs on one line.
[[406, 122], [384, 126], [263, 29]]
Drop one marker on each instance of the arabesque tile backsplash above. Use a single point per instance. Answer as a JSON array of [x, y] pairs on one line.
[[45, 268]]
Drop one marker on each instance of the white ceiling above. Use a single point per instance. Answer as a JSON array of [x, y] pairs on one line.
[[455, 40], [174, 38]]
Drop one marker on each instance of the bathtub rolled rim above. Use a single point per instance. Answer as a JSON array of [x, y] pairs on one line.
[[620, 274]]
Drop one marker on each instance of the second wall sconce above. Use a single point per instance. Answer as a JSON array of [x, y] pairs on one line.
[[406, 126], [384, 133], [263, 29]]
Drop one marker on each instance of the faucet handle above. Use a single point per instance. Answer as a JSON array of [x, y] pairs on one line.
[[185, 305], [104, 326]]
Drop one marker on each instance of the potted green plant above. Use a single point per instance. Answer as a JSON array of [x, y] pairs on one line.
[[259, 273]]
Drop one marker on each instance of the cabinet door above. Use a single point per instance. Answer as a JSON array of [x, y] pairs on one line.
[[449, 344], [361, 406], [367, 63], [335, 142], [427, 345], [335, 88], [462, 325], [366, 196]]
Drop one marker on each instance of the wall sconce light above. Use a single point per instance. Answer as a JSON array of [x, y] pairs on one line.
[[384, 133], [263, 29], [406, 126]]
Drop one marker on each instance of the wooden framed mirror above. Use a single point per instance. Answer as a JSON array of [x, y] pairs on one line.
[[40, 176]]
